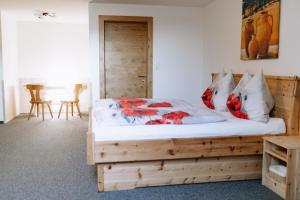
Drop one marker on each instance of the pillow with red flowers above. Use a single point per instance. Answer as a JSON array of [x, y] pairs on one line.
[[253, 101], [215, 96], [208, 93]]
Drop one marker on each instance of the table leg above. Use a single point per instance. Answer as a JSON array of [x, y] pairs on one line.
[[67, 110]]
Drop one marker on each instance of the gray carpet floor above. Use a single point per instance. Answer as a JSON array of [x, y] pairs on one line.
[[46, 160]]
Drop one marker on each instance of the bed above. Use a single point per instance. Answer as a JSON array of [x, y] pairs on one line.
[[128, 158]]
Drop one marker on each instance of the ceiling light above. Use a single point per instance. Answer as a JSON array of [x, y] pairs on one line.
[[44, 14]]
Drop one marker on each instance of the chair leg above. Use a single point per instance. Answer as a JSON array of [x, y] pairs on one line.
[[67, 110], [43, 111], [49, 107], [37, 110], [61, 106], [31, 108], [72, 108], [78, 109]]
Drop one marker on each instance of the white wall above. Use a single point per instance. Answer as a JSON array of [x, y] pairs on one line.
[[55, 54], [10, 65], [1, 79], [223, 39], [178, 70]]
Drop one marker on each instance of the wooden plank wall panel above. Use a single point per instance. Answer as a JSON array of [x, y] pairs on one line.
[[142, 174]]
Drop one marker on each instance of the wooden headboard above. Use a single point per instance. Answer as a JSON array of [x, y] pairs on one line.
[[286, 91]]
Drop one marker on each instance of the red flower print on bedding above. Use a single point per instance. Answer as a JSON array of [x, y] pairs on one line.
[[131, 102], [207, 98], [234, 106], [160, 105], [176, 116], [157, 122], [139, 112]]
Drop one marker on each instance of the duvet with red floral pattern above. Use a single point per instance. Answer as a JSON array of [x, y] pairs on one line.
[[140, 111]]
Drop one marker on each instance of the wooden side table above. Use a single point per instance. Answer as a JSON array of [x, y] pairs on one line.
[[282, 150]]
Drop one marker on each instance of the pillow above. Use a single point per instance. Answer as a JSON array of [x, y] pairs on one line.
[[208, 94], [253, 100], [243, 82], [215, 96]]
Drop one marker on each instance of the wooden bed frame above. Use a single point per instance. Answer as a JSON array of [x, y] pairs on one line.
[[141, 163]]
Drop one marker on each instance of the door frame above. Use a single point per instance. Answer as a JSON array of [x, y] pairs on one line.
[[108, 18]]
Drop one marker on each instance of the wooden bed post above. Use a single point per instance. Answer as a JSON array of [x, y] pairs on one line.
[[295, 120], [90, 142], [100, 174]]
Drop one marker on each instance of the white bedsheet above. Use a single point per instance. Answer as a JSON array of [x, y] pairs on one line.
[[232, 127]]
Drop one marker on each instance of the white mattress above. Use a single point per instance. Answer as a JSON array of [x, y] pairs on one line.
[[232, 127]]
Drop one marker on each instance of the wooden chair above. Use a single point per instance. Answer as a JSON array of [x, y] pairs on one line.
[[77, 91], [36, 100]]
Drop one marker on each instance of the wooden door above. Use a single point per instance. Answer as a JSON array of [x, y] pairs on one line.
[[127, 57]]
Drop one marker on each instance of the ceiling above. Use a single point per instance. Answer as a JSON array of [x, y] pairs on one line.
[[73, 11], [193, 3], [76, 11]]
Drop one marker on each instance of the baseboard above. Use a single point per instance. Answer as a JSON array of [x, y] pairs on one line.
[[7, 121]]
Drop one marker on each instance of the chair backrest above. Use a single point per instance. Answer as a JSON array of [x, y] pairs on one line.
[[35, 91], [77, 91]]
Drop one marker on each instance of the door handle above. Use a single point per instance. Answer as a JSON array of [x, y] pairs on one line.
[[141, 76]]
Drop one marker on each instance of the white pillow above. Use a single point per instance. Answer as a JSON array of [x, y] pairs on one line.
[[218, 78], [208, 93], [215, 96], [253, 101], [243, 82]]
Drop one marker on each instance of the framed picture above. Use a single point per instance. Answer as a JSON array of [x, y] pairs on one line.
[[260, 29]]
